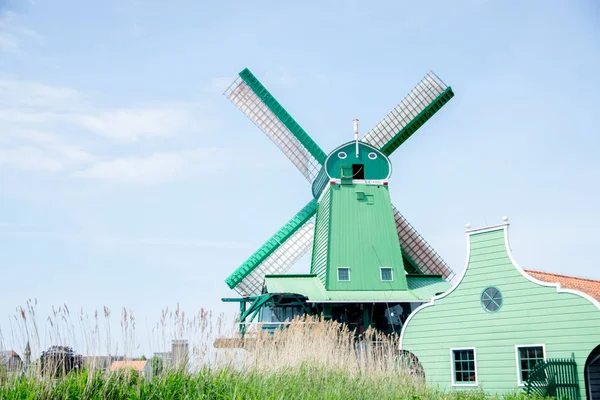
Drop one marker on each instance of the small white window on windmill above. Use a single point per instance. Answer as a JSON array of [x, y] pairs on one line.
[[387, 274], [343, 274]]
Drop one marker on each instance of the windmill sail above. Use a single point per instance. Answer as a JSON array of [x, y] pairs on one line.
[[278, 254], [410, 114], [426, 259], [254, 100]]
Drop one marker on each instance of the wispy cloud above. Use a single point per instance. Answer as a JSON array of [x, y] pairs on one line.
[[35, 150], [32, 113], [157, 168], [13, 34], [135, 123], [19, 94], [31, 103]]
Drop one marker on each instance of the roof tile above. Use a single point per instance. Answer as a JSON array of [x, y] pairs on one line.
[[588, 286]]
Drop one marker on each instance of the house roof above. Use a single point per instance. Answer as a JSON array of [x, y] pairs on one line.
[[420, 288], [587, 286], [137, 365], [8, 356]]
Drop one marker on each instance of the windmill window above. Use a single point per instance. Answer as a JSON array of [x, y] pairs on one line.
[[464, 367], [343, 274], [387, 274], [342, 155], [491, 299], [358, 171], [372, 156], [527, 359]]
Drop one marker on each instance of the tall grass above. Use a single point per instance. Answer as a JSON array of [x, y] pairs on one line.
[[311, 359]]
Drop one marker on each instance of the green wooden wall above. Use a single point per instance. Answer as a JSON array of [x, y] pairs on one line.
[[362, 237], [531, 313], [320, 252]]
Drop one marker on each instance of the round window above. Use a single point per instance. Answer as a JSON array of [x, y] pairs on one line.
[[342, 155], [491, 299], [372, 156]]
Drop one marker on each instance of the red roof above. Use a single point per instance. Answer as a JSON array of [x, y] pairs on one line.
[[588, 286]]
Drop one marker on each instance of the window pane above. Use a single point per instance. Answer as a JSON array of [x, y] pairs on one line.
[[529, 357], [464, 366], [343, 274], [386, 274]]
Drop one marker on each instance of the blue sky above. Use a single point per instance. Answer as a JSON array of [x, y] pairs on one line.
[[127, 179]]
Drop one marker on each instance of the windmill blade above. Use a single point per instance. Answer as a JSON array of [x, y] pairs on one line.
[[254, 100], [278, 254], [425, 258], [410, 114]]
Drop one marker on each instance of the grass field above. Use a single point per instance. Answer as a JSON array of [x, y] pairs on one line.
[[295, 383], [310, 359]]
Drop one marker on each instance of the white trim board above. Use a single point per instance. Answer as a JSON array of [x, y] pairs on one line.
[[454, 384], [504, 228], [517, 346]]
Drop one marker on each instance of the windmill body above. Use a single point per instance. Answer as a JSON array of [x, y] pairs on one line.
[[369, 266]]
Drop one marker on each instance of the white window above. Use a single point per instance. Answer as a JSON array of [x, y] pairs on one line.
[[463, 366], [387, 274], [343, 274], [528, 356]]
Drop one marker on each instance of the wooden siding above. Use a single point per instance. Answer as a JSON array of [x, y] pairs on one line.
[[363, 237], [530, 314], [318, 266]]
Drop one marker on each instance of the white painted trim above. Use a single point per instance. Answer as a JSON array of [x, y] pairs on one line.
[[340, 155], [557, 285], [325, 189], [452, 366], [470, 232], [379, 182], [338, 274], [434, 298], [486, 228], [381, 273], [517, 346]]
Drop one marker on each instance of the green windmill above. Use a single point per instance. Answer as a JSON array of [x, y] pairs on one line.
[[369, 266]]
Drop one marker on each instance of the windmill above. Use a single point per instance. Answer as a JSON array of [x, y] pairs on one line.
[[364, 251]]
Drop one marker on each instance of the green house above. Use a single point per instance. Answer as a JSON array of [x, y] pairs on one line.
[[500, 329]]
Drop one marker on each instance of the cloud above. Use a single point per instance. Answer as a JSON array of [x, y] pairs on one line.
[[28, 158], [39, 151], [157, 168], [34, 104], [17, 94], [14, 35], [136, 123], [57, 128]]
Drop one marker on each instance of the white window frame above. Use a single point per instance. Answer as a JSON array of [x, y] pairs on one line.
[[518, 361], [338, 274], [453, 376], [381, 274]]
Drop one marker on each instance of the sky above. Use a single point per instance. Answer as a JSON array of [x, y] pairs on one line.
[[128, 180]]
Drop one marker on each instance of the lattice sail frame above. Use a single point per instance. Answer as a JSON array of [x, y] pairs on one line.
[[244, 98], [280, 261], [421, 103], [419, 251], [417, 100]]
